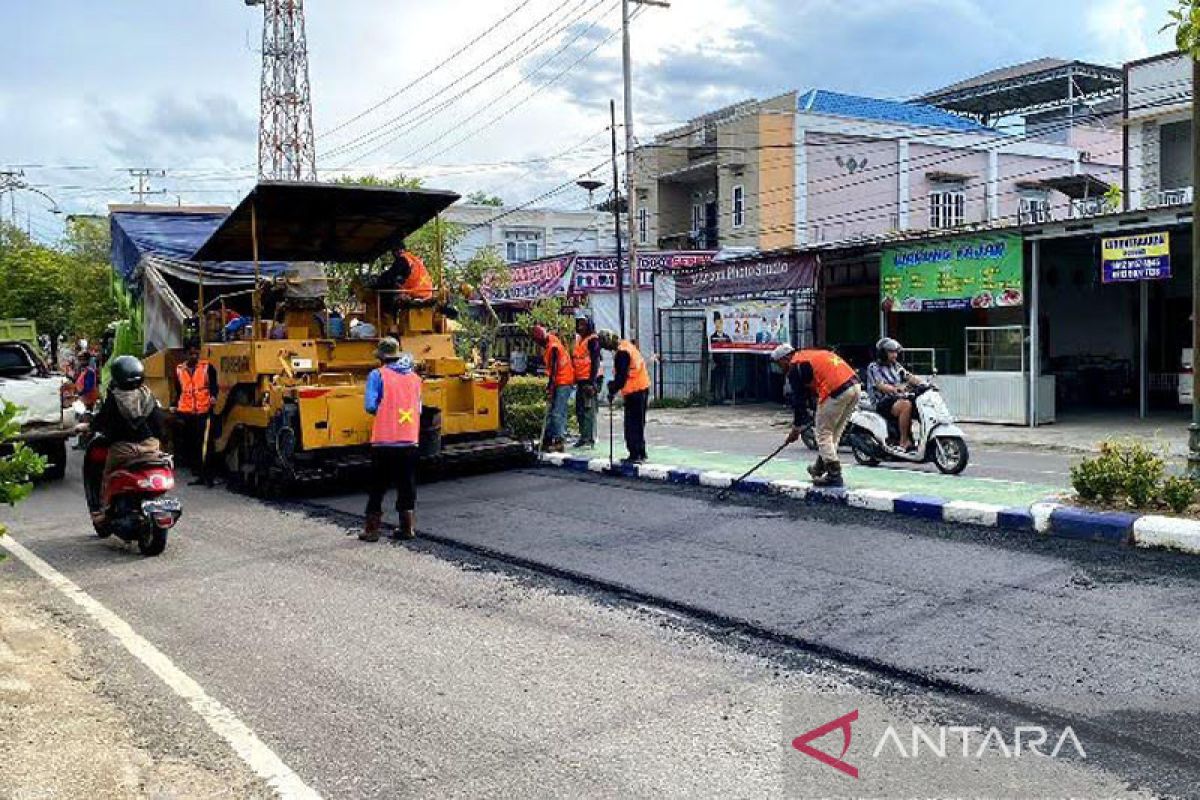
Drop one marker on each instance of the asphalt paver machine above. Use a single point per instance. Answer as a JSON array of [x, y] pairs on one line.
[[290, 409]]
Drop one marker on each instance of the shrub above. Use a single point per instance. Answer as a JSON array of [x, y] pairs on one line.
[[524, 391], [1095, 479], [19, 468], [525, 404], [1178, 492], [525, 420]]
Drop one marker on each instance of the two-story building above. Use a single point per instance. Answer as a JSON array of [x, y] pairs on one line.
[[527, 234], [1157, 111]]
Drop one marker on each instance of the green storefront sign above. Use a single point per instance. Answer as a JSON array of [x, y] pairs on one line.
[[959, 273]]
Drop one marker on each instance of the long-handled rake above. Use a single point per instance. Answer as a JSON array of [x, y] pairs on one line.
[[721, 495]]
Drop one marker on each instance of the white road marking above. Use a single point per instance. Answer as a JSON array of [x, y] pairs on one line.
[[257, 755]]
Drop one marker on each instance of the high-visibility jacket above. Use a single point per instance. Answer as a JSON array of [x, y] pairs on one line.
[[830, 371], [419, 285], [556, 357], [581, 358], [638, 379], [398, 418], [194, 397]]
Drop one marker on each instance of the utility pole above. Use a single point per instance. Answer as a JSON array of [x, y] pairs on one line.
[[10, 181], [286, 148], [616, 207], [143, 183], [1194, 429], [630, 194]]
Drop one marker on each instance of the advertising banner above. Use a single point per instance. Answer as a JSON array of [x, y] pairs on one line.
[[533, 280], [1140, 257], [727, 281], [750, 326], [598, 273], [968, 272]]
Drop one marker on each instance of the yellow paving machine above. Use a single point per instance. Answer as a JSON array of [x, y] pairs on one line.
[[290, 408]]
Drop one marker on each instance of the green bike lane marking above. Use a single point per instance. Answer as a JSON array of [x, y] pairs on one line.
[[899, 479]]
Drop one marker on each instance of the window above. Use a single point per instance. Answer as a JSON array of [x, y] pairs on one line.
[[697, 219], [739, 206], [643, 220], [522, 245], [1034, 208], [947, 206]]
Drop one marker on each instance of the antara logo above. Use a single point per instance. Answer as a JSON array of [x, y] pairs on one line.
[[841, 723]]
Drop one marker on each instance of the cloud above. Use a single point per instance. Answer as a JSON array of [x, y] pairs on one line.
[[1121, 26], [178, 130]]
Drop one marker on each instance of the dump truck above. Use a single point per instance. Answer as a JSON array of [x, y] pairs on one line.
[[290, 409]]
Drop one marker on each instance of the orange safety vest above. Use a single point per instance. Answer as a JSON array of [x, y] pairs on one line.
[[638, 379], [398, 418], [830, 371], [564, 374], [419, 285], [194, 397], [581, 358]]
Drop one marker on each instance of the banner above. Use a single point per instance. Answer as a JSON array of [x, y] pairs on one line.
[[751, 326], [598, 273], [962, 273], [1141, 257], [533, 280], [745, 279]]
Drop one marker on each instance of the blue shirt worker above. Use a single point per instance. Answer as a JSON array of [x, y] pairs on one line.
[[393, 397]]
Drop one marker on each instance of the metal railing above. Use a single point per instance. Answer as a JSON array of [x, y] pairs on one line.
[[1175, 197]]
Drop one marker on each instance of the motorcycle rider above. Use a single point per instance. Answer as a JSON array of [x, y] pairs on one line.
[[130, 418], [888, 383]]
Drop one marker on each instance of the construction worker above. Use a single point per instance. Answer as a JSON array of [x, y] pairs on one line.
[[585, 360], [560, 383], [196, 389], [393, 397], [824, 374], [631, 379], [87, 380], [409, 275]]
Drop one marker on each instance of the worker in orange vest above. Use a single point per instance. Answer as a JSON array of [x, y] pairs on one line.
[[393, 397], [196, 389], [631, 379], [823, 374], [585, 360], [409, 275], [560, 384]]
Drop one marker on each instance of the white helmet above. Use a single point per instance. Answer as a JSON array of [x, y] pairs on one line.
[[781, 352]]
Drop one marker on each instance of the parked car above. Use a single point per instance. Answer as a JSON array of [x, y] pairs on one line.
[[26, 381]]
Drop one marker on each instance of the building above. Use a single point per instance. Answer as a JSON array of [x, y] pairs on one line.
[[823, 166], [528, 234], [1157, 108]]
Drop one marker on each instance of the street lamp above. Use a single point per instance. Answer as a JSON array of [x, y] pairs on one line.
[[591, 185]]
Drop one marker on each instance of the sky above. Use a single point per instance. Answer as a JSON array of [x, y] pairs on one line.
[[91, 90]]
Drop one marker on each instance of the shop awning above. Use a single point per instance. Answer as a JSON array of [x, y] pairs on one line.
[[1077, 187], [322, 222]]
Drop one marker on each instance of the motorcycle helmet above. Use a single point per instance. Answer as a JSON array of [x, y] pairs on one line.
[[887, 345], [127, 372]]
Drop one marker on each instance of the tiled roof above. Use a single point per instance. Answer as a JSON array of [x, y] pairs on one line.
[[820, 101]]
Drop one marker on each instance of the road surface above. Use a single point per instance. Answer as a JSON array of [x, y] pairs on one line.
[[557, 635]]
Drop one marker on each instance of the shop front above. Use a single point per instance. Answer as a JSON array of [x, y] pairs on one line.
[[716, 338]]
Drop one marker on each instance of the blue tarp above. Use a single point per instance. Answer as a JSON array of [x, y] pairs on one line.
[[176, 236]]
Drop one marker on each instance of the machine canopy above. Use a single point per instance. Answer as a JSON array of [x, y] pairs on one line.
[[322, 222]]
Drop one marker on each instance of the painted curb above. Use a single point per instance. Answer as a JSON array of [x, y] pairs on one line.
[[1046, 518]]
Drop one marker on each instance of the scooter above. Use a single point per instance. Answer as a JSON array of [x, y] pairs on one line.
[[937, 438], [138, 508]]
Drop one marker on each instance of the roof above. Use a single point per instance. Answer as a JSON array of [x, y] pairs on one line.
[[172, 233], [1032, 85], [301, 221], [822, 101]]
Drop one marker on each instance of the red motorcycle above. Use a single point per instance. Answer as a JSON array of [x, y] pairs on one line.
[[138, 508]]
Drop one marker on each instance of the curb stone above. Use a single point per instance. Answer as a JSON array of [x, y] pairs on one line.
[[1045, 518]]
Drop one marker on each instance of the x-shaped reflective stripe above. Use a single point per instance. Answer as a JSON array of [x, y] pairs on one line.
[[406, 415]]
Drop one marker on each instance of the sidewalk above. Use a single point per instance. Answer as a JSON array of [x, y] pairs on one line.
[[1075, 434]]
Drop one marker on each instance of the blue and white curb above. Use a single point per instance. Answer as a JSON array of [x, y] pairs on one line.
[[1047, 518]]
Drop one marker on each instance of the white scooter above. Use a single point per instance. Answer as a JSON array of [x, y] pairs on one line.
[[936, 436]]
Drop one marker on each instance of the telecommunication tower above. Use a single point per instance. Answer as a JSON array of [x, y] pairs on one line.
[[286, 150]]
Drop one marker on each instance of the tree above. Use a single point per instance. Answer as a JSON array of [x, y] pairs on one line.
[[34, 285], [481, 198], [93, 306]]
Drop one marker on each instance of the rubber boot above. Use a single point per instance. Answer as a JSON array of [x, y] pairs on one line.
[[832, 479], [408, 526], [817, 469], [370, 531]]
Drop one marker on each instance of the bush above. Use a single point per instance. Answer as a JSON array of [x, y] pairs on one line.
[[18, 469], [524, 391], [1178, 493], [525, 420], [525, 405], [1095, 479]]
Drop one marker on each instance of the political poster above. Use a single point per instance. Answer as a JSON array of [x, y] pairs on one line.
[[1140, 257], [960, 273], [750, 326], [531, 281]]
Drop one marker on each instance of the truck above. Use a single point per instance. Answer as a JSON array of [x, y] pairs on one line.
[[27, 382], [290, 408]]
